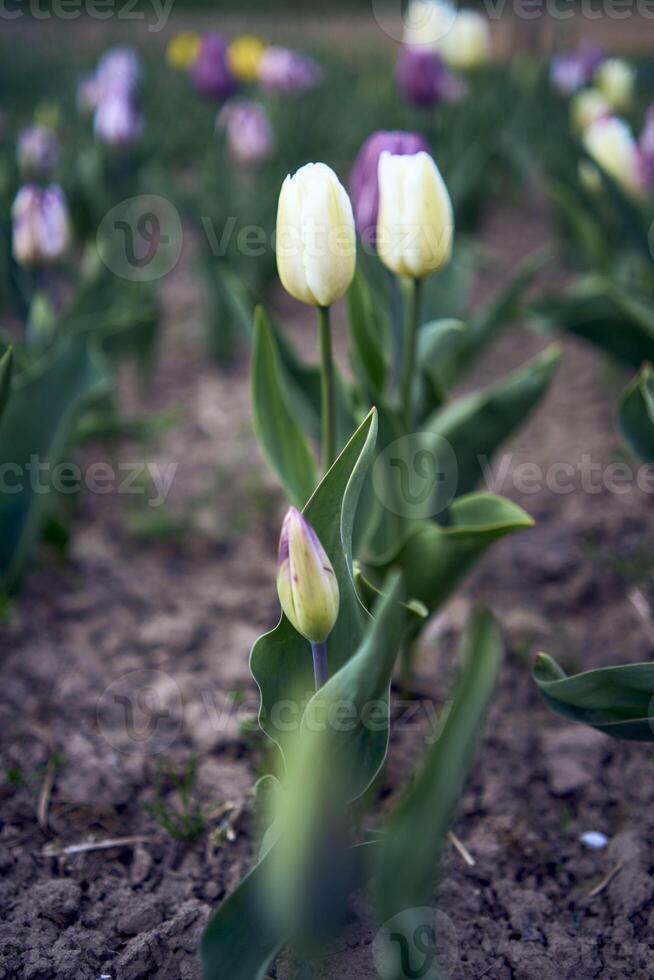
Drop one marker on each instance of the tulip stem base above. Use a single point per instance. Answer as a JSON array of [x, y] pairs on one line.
[[409, 352], [327, 390], [320, 667]]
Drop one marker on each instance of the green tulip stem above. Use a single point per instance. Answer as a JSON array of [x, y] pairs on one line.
[[409, 351], [327, 390], [320, 668]]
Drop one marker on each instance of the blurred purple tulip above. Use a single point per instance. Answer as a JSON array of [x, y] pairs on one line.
[[41, 225], [37, 151], [89, 93], [575, 69], [284, 71], [211, 74], [646, 152], [118, 121], [364, 183], [424, 80], [119, 66], [248, 130]]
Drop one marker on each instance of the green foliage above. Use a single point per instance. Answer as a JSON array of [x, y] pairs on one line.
[[636, 414], [187, 822], [615, 700]]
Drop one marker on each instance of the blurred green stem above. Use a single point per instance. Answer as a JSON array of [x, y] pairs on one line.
[[327, 389], [320, 668], [409, 352], [396, 327]]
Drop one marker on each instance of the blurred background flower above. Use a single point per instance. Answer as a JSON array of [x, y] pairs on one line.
[[183, 50], [37, 151], [211, 73], [41, 225], [283, 71], [424, 80], [248, 130], [244, 56]]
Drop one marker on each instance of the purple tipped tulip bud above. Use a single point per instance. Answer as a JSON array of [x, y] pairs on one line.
[[249, 133], [41, 226], [424, 80], [118, 121], [306, 581], [364, 182], [37, 151], [211, 74], [284, 71]]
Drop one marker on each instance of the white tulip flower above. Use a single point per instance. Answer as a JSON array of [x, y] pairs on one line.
[[316, 239], [467, 45], [616, 80], [611, 143], [415, 225]]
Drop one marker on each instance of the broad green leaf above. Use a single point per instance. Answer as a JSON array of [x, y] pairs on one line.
[[281, 660], [280, 436], [636, 414], [369, 337], [439, 345], [474, 426], [406, 861], [618, 701], [241, 939], [448, 293], [433, 559], [37, 425], [6, 365], [599, 311]]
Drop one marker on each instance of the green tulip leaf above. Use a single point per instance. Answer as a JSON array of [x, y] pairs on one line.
[[37, 424], [434, 559], [439, 344], [404, 876], [281, 661], [280, 436], [618, 701], [599, 311], [636, 414], [241, 939], [6, 371], [474, 426], [369, 337]]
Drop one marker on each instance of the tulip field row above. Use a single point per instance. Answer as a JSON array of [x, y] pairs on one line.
[[291, 288]]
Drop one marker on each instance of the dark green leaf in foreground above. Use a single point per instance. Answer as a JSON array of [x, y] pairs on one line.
[[36, 426], [406, 860], [6, 365], [369, 337], [618, 701], [281, 660], [278, 431], [636, 414]]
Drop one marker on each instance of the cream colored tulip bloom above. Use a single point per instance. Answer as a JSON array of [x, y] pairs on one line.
[[427, 23], [467, 45], [306, 582], [316, 240], [616, 80], [611, 143], [415, 225], [587, 107]]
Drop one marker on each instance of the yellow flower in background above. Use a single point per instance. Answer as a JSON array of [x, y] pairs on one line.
[[183, 49], [244, 56], [616, 80]]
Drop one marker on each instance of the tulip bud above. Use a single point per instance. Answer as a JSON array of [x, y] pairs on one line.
[[248, 129], [573, 70], [424, 80], [41, 227], [306, 581], [89, 93], [427, 22], [118, 121], [364, 182], [37, 152], [610, 142], [211, 74], [415, 226], [467, 45], [587, 107], [315, 240], [119, 66], [283, 71], [244, 56], [183, 50], [616, 80]]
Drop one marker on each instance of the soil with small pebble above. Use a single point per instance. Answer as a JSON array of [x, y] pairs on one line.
[[128, 659]]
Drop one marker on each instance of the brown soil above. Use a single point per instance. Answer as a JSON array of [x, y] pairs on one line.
[[169, 622]]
